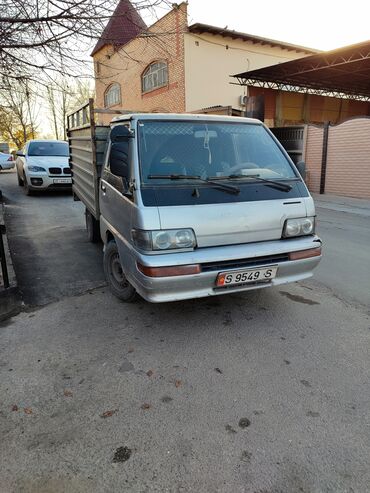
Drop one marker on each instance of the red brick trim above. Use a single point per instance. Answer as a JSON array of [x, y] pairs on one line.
[[160, 90]]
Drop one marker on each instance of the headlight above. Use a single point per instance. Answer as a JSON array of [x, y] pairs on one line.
[[164, 239], [35, 168], [299, 227]]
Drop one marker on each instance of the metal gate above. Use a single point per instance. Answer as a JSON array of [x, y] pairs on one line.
[[292, 139]]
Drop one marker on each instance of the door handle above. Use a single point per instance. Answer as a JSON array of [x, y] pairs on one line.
[[104, 188]]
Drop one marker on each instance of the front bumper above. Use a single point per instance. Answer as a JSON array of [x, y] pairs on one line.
[[42, 181], [175, 288]]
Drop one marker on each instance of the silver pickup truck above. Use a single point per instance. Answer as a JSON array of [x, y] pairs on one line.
[[191, 205]]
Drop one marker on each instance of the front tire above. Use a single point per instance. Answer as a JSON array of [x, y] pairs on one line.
[[20, 181], [27, 189], [115, 276]]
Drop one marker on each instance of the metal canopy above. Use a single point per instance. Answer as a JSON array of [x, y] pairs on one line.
[[343, 73]]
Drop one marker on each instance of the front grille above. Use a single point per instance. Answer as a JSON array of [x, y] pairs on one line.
[[244, 263], [55, 171], [67, 171]]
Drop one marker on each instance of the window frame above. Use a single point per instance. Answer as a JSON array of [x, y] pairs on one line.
[[146, 72], [109, 88]]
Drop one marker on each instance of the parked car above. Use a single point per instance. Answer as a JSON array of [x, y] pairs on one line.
[[6, 161], [192, 205], [43, 165]]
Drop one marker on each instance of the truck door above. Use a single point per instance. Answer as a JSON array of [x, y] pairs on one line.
[[116, 201]]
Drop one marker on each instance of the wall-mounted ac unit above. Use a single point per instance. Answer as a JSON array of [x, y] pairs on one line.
[[243, 100]]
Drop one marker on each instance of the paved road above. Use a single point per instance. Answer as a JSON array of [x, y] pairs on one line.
[[47, 240], [345, 268], [264, 392]]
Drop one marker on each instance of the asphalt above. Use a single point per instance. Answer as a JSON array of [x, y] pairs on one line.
[[344, 226], [47, 239], [262, 392]]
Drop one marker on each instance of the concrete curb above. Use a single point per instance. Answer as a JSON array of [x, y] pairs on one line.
[[10, 298]]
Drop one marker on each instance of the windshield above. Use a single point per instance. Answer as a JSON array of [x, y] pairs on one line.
[[48, 149], [209, 149]]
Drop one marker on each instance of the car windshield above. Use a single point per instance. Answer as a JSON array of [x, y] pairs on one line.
[[209, 149], [48, 149]]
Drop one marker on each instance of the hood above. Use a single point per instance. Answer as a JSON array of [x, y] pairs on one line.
[[48, 161], [233, 223]]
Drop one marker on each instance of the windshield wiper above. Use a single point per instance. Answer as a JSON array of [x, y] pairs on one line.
[[271, 183], [221, 186]]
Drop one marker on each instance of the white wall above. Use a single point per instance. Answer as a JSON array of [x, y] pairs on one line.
[[211, 59]]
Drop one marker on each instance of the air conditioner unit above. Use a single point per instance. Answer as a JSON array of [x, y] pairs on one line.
[[243, 100]]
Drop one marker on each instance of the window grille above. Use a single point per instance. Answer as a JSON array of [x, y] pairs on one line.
[[155, 76], [112, 95]]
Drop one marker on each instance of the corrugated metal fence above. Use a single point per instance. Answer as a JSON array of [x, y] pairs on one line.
[[344, 169]]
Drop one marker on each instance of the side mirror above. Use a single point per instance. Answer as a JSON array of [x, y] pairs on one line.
[[119, 159], [20, 154], [301, 166]]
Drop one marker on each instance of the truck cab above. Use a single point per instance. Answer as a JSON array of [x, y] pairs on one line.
[[199, 205]]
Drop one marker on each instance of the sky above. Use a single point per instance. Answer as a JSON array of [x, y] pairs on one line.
[[320, 24]]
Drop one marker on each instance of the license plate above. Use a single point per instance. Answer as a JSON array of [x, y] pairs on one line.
[[62, 180], [248, 276]]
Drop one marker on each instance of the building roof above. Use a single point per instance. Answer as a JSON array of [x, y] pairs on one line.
[[199, 28], [124, 25], [344, 72]]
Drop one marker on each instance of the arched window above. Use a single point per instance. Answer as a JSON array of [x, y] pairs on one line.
[[154, 76], [112, 95]]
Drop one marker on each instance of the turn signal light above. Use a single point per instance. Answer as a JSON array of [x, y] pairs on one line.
[[175, 270], [311, 252]]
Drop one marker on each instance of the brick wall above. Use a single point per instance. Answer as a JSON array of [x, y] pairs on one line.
[[165, 42]]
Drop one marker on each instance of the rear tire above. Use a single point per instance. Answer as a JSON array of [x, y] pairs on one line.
[[92, 227], [115, 276]]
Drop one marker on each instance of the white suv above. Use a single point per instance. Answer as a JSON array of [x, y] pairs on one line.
[[42, 165]]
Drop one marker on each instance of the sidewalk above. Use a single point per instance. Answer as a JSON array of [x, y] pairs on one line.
[[342, 204]]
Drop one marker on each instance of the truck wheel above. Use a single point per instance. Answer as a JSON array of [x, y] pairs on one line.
[[114, 274], [92, 227]]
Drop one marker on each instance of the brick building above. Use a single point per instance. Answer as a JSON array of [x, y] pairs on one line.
[[174, 67]]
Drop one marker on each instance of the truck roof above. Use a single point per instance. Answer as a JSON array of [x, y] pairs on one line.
[[185, 117]]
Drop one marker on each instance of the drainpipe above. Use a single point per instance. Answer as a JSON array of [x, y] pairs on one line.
[[324, 158]]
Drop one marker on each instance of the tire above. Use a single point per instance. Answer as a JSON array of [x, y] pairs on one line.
[[115, 276], [20, 181], [27, 190], [92, 227]]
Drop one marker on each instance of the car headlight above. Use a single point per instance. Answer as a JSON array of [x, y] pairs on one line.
[[299, 227], [35, 168], [164, 239]]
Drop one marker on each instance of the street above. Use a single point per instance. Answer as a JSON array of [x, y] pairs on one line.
[[261, 392]]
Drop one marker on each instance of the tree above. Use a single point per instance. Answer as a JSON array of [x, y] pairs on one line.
[[17, 111], [12, 131], [42, 38], [62, 98]]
